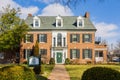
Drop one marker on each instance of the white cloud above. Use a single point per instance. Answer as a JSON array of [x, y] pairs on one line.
[[106, 30], [24, 10], [56, 9]]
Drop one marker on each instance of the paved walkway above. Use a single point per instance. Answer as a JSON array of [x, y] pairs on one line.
[[59, 73]]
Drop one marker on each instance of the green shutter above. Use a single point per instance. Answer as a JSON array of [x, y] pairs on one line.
[[90, 37], [90, 53], [83, 40], [31, 38], [70, 53], [83, 53], [46, 38], [78, 38], [78, 53]]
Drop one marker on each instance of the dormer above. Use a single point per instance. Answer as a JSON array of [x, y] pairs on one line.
[[80, 21], [36, 22], [59, 21]]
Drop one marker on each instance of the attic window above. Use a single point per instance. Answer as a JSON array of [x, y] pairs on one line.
[[80, 22], [59, 21], [36, 22]]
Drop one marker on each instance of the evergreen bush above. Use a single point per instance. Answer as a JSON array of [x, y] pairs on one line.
[[67, 61], [37, 69], [52, 61], [101, 73]]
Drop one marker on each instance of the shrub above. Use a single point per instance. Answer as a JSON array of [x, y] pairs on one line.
[[52, 61], [67, 61], [75, 61], [101, 73], [37, 69], [16, 73]]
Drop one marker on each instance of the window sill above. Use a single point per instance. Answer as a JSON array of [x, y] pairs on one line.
[[42, 42], [87, 42], [75, 42], [28, 42]]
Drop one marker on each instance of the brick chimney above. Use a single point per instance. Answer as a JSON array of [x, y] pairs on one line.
[[87, 15], [29, 15]]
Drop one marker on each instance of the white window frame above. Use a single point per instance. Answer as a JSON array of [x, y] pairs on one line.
[[27, 53], [26, 41], [34, 22], [58, 18], [80, 20]]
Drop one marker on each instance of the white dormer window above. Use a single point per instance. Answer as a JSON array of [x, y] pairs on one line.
[[36, 22], [80, 22], [59, 21]]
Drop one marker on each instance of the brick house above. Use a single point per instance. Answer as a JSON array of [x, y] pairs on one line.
[[62, 37]]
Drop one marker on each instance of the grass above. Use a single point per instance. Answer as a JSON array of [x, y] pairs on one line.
[[76, 71], [47, 71]]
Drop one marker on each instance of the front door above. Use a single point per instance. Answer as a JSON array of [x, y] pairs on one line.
[[59, 57]]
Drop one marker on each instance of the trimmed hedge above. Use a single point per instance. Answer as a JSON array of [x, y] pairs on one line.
[[16, 73], [101, 73], [67, 61]]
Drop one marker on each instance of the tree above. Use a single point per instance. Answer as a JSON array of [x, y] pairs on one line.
[[36, 49], [71, 3], [117, 49], [12, 30]]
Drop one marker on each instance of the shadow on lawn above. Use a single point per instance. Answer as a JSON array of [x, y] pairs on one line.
[[39, 77]]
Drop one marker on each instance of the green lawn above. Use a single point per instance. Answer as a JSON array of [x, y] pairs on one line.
[[47, 70], [76, 71]]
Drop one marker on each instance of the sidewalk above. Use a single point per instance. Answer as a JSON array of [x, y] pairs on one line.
[[59, 73]]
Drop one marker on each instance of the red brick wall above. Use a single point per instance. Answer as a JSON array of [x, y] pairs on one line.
[[41, 45], [81, 45]]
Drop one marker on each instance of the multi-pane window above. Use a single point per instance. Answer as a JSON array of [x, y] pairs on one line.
[[87, 37], [59, 22], [74, 53], [42, 37], [29, 38], [59, 39], [98, 53], [80, 23], [27, 53], [74, 37], [36, 23], [87, 53], [43, 51]]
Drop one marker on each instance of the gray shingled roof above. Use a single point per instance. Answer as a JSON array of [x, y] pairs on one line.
[[69, 23]]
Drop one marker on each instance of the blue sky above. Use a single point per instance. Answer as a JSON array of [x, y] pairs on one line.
[[105, 14]]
